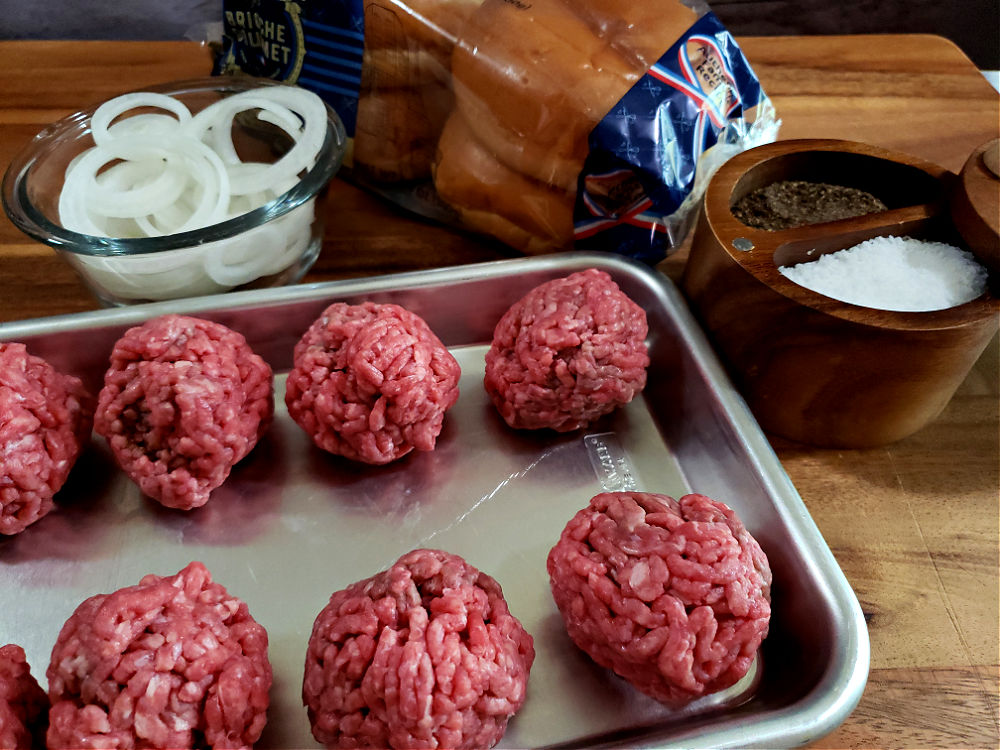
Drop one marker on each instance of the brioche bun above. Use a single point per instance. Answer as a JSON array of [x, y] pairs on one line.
[[532, 80], [401, 68], [639, 31], [397, 130], [432, 25], [526, 214]]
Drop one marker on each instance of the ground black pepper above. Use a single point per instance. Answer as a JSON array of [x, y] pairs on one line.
[[795, 203]]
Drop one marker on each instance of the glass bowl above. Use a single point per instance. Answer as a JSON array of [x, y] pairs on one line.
[[270, 245]]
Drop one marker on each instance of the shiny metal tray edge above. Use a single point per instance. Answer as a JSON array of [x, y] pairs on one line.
[[840, 689], [732, 438]]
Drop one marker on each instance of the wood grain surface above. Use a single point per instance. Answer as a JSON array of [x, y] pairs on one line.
[[914, 525]]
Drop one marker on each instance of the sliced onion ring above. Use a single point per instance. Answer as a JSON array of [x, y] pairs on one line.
[[160, 173], [105, 114]]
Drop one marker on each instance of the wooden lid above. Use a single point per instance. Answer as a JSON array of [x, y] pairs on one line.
[[975, 205]]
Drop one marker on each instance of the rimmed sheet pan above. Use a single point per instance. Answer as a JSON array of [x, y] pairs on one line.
[[292, 524]]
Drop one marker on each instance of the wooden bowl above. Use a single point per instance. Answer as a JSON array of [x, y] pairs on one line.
[[811, 368]]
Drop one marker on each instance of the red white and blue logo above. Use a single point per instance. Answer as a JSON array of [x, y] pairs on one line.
[[644, 153]]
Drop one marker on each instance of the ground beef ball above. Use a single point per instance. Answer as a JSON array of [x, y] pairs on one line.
[[673, 595], [568, 352], [183, 401], [371, 382], [173, 662], [23, 704], [423, 655], [45, 420]]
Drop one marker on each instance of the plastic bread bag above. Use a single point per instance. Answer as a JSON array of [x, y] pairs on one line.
[[548, 124]]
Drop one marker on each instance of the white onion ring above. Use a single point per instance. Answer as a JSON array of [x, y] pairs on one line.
[[214, 125], [147, 124], [173, 216], [149, 229], [153, 190], [245, 259], [105, 114], [124, 173], [72, 210], [303, 154], [155, 174], [214, 205], [72, 214]]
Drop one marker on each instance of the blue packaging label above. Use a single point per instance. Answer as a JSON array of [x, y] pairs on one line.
[[317, 45], [644, 154]]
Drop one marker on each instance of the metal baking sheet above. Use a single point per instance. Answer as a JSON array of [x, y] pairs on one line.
[[292, 524]]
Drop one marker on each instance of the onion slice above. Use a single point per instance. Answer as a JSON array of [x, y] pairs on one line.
[[105, 114], [156, 173]]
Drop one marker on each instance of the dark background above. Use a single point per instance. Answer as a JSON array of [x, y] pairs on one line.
[[974, 25]]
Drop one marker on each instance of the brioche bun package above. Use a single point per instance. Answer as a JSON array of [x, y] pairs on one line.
[[547, 124]]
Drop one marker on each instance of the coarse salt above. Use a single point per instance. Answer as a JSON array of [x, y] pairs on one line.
[[894, 273]]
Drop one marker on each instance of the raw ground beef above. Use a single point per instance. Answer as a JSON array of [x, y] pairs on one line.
[[45, 420], [173, 662], [23, 704], [183, 401], [423, 655], [570, 351], [672, 595], [371, 382]]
